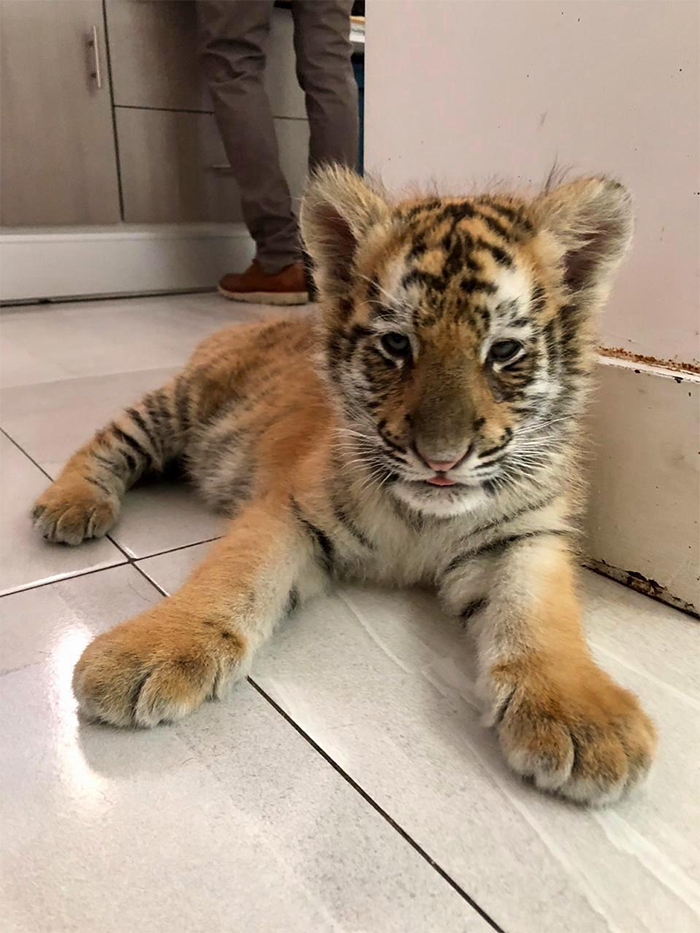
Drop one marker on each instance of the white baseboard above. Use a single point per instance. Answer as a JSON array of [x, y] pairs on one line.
[[644, 506], [124, 259]]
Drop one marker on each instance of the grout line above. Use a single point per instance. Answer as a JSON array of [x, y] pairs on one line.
[[151, 580], [85, 378], [22, 304], [127, 562], [172, 550], [28, 456], [375, 806], [62, 579], [129, 558], [169, 550]]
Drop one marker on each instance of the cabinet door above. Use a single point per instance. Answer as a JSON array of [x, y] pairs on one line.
[[153, 53], [174, 168], [58, 160], [171, 168]]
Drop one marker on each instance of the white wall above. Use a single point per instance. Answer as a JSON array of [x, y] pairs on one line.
[[464, 91], [467, 89]]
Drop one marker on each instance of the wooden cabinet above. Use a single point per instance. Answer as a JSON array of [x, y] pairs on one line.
[[58, 162]]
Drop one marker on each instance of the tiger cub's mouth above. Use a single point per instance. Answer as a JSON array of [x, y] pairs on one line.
[[441, 481]]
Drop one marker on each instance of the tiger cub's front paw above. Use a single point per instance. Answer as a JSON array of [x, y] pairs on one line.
[[577, 733], [70, 511], [157, 667]]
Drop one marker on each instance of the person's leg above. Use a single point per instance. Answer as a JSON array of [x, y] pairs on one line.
[[233, 43], [324, 69]]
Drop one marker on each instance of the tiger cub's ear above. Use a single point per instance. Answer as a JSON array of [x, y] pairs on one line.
[[337, 214], [591, 221]]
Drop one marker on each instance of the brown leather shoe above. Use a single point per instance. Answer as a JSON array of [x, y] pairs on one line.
[[287, 287]]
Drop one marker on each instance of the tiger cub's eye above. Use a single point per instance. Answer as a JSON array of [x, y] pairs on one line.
[[396, 344], [504, 350]]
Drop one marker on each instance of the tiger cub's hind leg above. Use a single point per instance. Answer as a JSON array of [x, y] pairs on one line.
[[84, 500]]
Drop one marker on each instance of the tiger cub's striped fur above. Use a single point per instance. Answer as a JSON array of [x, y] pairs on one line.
[[422, 430]]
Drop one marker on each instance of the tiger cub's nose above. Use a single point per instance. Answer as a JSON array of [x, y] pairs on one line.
[[441, 465]]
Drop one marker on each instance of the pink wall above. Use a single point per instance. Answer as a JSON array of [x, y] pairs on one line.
[[465, 90]]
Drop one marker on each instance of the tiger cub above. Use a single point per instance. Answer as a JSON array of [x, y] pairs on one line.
[[421, 428]]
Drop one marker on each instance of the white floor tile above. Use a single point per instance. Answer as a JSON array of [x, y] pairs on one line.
[[43, 343], [25, 558], [384, 683], [52, 420], [161, 517], [57, 621], [231, 821], [632, 630], [22, 365]]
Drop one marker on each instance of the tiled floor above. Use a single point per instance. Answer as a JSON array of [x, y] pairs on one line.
[[349, 785]]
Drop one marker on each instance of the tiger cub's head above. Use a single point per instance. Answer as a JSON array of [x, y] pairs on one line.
[[458, 332]]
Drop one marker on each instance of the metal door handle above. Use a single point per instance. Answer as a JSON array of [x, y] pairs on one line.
[[94, 46], [219, 167]]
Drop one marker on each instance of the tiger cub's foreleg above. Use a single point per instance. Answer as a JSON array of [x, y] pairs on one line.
[[84, 500], [561, 720], [165, 662]]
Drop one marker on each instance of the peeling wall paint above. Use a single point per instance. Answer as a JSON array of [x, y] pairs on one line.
[[675, 365], [642, 584]]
